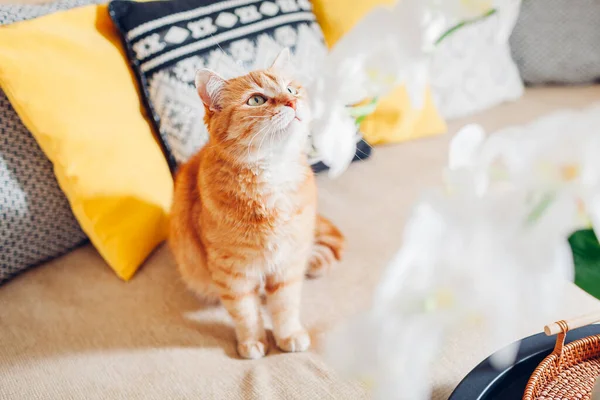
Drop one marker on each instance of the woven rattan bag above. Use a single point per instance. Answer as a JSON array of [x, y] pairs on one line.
[[570, 371]]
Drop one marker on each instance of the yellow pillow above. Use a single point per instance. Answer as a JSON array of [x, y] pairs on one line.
[[68, 79], [394, 120]]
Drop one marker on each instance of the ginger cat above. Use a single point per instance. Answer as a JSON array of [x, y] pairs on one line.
[[244, 213]]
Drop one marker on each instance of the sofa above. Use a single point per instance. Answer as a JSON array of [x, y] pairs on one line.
[[69, 329]]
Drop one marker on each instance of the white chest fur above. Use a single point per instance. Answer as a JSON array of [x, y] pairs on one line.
[[280, 186], [280, 183]]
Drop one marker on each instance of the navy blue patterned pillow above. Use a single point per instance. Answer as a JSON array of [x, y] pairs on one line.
[[168, 41], [36, 222]]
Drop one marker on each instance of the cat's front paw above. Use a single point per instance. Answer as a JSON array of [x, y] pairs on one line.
[[253, 349], [299, 341]]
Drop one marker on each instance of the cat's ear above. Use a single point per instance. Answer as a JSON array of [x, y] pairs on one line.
[[209, 85], [283, 62]]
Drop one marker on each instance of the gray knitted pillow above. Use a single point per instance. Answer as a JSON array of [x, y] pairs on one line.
[[558, 41], [36, 222]]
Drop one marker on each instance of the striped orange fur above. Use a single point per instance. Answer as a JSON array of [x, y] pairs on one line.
[[244, 214]]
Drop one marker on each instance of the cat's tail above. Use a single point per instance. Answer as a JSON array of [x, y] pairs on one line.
[[327, 249]]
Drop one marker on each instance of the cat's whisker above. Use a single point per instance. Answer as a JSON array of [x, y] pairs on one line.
[[359, 150], [278, 119], [271, 141], [250, 143], [269, 131], [254, 137], [256, 117], [220, 48]]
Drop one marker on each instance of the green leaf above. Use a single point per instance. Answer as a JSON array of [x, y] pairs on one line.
[[586, 255]]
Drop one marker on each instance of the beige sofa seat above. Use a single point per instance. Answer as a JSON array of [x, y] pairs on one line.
[[70, 329]]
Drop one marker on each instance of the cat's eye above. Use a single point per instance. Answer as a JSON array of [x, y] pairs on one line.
[[256, 100], [292, 90]]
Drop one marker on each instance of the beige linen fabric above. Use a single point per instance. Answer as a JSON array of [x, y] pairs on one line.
[[71, 329]]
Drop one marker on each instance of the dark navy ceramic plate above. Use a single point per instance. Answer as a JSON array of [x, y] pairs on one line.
[[488, 383]]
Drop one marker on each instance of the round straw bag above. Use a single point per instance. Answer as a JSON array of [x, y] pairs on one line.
[[571, 370]]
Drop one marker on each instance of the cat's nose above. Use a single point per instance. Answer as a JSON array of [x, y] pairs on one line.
[[290, 103]]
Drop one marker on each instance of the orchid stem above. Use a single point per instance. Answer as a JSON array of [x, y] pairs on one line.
[[464, 23], [539, 209]]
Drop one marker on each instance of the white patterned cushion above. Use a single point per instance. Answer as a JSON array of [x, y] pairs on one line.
[[167, 41], [36, 222], [472, 68]]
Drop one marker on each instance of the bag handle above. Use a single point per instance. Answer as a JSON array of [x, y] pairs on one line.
[[570, 324], [561, 328]]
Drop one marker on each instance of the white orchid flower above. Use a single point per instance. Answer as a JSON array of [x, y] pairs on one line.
[[555, 154], [389, 46], [368, 62], [445, 16], [493, 247], [464, 257], [462, 9], [335, 139]]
